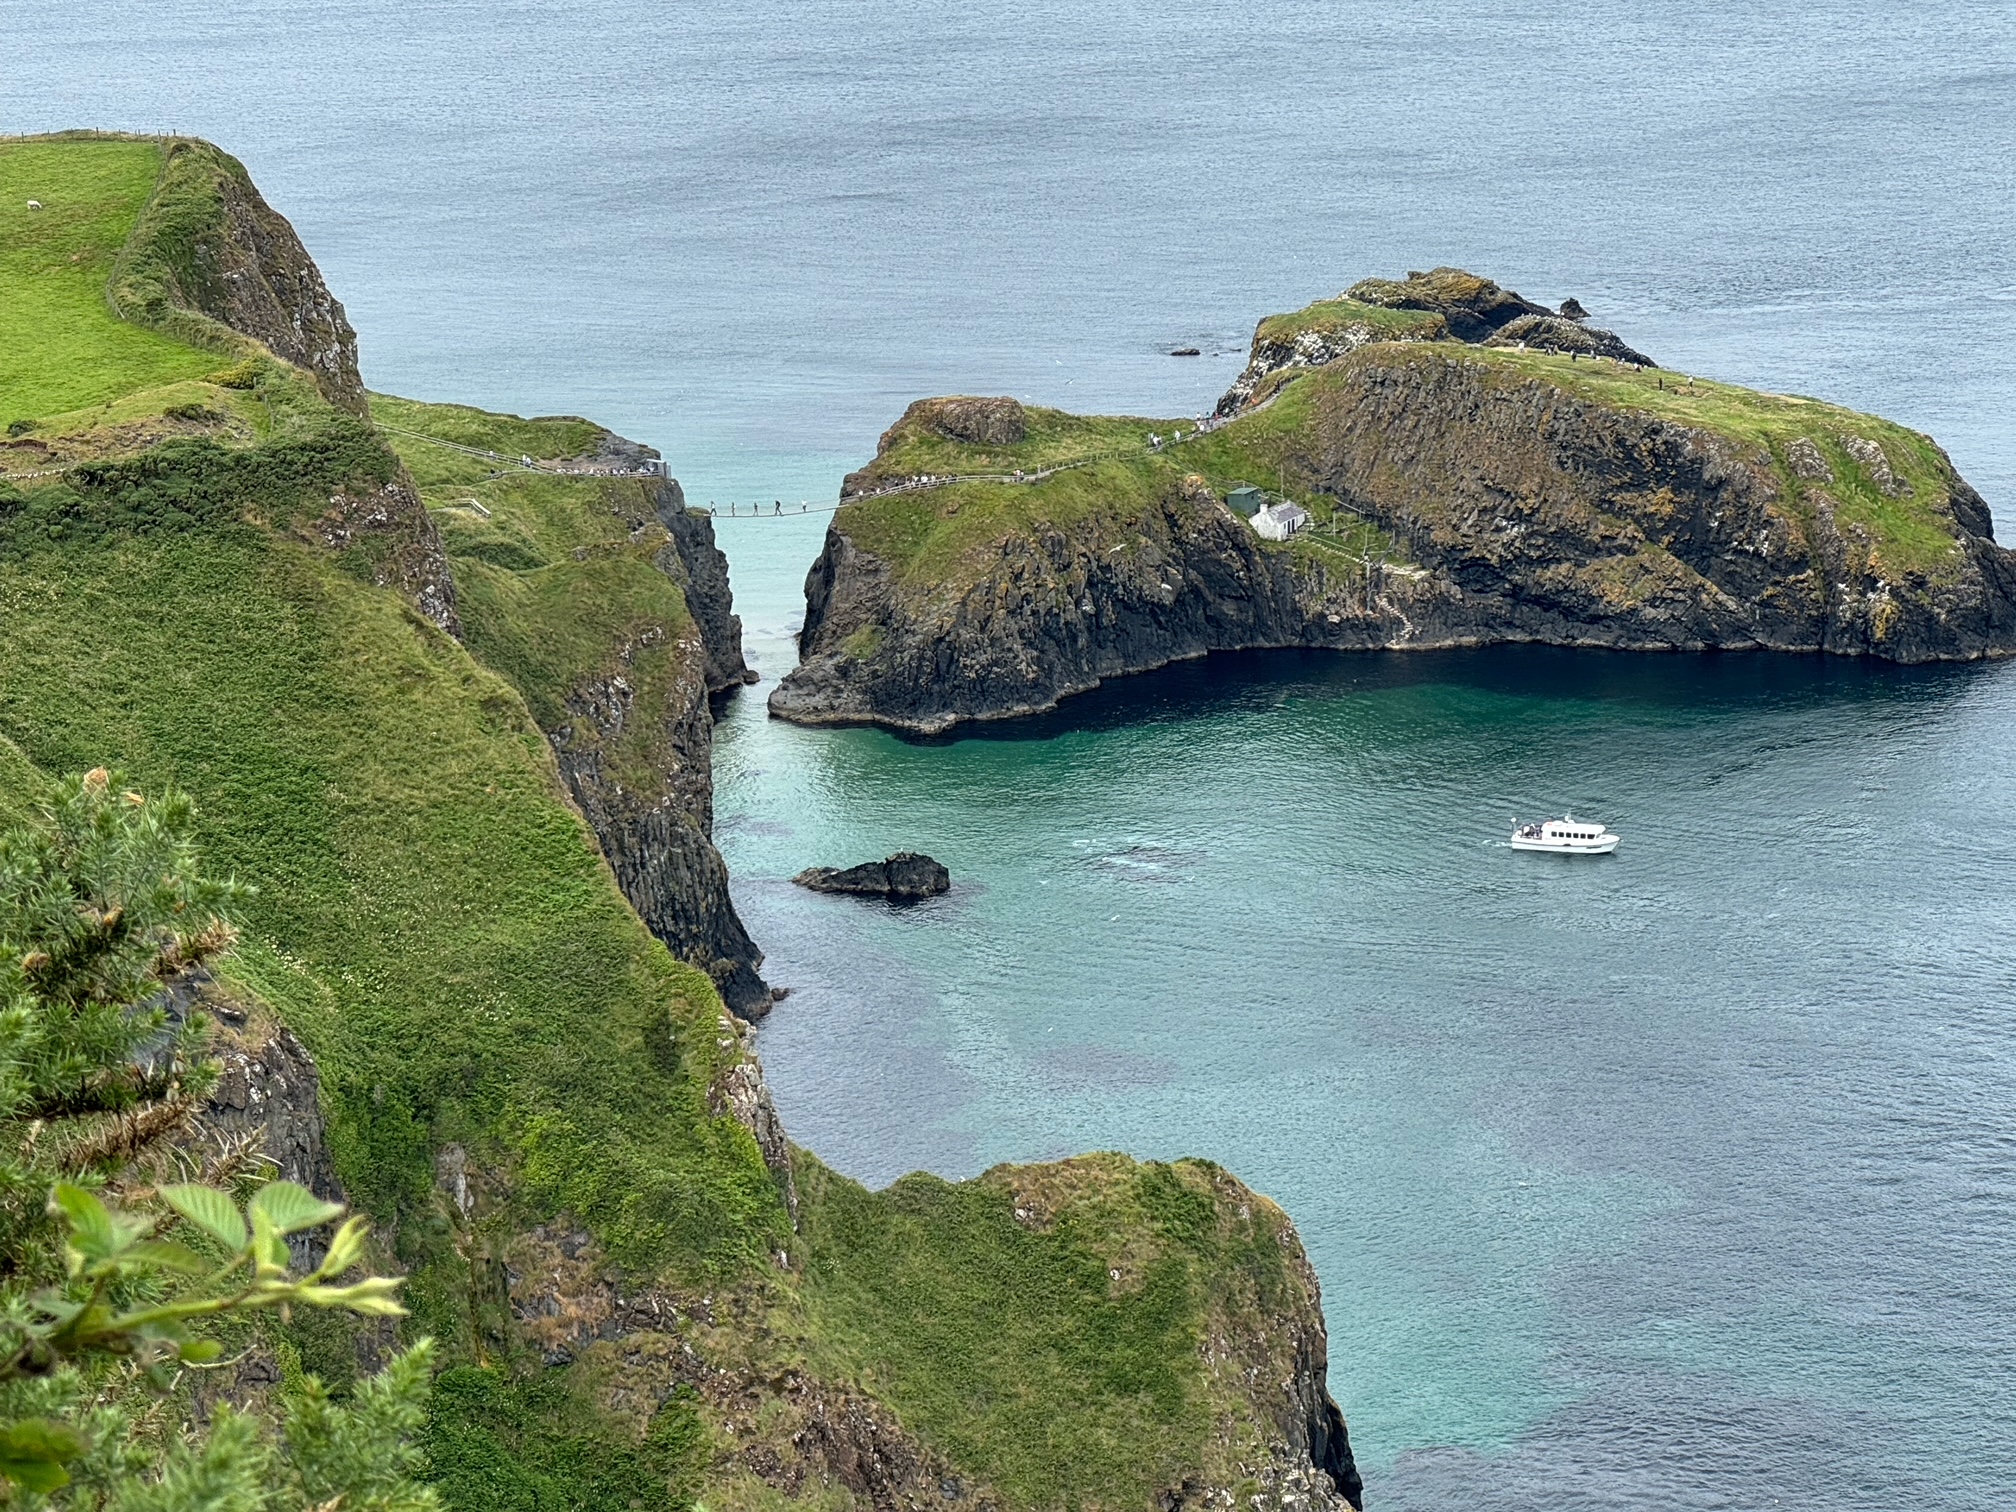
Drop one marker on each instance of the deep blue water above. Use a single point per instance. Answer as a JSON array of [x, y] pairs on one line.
[[1681, 1179]]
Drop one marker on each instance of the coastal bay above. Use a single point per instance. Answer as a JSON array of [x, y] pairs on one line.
[[1754, 1071]]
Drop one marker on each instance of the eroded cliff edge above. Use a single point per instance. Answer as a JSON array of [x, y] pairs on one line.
[[1549, 486], [586, 581]]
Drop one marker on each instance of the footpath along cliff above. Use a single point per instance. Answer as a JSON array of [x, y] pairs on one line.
[[1473, 469], [449, 714]]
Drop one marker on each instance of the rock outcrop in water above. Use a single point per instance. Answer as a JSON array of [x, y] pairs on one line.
[[905, 877], [1462, 494]]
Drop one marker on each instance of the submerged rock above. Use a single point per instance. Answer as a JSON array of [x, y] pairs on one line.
[[905, 876]]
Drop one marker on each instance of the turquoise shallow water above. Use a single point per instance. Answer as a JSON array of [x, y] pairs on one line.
[[1681, 1179]]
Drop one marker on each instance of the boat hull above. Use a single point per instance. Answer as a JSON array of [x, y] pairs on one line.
[[1601, 847]]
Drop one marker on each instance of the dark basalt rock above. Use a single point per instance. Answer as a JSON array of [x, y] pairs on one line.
[[904, 877], [1473, 307], [1571, 309], [1555, 333], [696, 564], [981, 422], [657, 833]]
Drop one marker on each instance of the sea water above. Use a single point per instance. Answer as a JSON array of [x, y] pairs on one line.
[[1680, 1178]]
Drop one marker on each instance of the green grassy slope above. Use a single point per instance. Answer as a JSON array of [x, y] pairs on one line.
[[438, 925], [553, 572], [61, 347], [433, 920], [1045, 1324], [945, 535]]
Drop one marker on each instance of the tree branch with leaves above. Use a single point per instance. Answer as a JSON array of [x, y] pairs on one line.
[[107, 1280]]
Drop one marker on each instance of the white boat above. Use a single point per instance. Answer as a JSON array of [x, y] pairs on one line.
[[1567, 835]]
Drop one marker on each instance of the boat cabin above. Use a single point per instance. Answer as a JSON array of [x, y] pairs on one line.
[[1567, 833]]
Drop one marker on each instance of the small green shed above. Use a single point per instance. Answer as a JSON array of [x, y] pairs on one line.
[[1245, 502]]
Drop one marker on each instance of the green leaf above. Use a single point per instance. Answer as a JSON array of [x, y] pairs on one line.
[[32, 1452], [268, 1248], [373, 1297], [291, 1207], [343, 1249], [41, 1476], [93, 1234], [200, 1351], [210, 1210], [163, 1254]]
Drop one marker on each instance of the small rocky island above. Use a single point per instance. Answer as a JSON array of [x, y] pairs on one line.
[[905, 877], [1471, 468]]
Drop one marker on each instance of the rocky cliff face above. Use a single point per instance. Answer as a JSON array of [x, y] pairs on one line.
[[400, 540], [209, 249], [1463, 495], [636, 751], [655, 825], [695, 563]]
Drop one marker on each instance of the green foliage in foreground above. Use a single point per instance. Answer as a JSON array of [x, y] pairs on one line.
[[61, 347], [101, 906]]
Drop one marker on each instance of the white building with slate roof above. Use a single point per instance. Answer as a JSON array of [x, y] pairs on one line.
[[1277, 522]]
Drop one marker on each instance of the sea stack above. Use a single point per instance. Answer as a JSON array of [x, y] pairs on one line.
[[904, 877]]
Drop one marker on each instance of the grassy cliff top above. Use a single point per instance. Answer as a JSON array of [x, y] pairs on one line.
[[61, 346], [544, 438], [84, 378], [553, 573], [912, 447], [1344, 312], [1044, 1324], [946, 534]]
